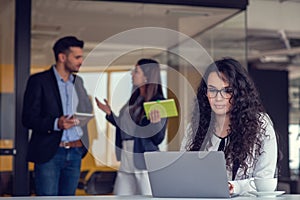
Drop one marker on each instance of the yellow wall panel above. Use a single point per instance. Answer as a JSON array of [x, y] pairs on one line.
[[6, 78]]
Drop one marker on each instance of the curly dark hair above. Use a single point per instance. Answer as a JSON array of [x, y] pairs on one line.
[[246, 127]]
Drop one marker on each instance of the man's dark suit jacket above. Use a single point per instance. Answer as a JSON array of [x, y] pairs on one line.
[[42, 105]]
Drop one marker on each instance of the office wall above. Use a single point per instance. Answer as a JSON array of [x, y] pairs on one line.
[[273, 88]]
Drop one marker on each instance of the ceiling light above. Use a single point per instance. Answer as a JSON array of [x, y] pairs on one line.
[[277, 59], [186, 12]]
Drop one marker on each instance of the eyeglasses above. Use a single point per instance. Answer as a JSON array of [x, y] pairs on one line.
[[226, 92]]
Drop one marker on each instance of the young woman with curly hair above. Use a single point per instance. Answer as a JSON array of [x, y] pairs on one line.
[[230, 117]]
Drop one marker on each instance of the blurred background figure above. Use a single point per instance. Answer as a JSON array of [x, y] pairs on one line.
[[51, 98], [135, 134]]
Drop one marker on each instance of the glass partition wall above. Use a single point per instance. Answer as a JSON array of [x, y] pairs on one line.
[[184, 39]]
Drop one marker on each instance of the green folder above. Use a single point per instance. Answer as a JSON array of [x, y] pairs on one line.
[[167, 108]]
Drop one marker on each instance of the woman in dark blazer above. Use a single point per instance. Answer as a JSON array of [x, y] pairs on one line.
[[135, 134]]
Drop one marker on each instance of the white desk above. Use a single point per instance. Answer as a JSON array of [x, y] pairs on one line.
[[283, 197]]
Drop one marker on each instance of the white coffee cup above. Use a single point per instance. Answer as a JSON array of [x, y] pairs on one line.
[[264, 184]]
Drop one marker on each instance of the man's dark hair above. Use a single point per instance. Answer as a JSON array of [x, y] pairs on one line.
[[63, 45]]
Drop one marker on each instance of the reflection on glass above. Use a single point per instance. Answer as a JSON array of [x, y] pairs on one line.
[[226, 39]]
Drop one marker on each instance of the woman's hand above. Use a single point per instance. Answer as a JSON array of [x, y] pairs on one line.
[[104, 107], [154, 116]]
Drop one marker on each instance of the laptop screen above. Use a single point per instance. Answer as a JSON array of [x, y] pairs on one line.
[[187, 174]]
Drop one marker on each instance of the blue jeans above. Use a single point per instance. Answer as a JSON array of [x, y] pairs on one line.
[[59, 176]]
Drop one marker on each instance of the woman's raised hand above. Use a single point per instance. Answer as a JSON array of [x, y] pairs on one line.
[[104, 107]]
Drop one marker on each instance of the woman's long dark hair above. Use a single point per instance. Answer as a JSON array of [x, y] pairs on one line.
[[246, 128], [153, 86]]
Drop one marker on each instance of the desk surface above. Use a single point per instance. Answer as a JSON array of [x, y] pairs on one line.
[[283, 197]]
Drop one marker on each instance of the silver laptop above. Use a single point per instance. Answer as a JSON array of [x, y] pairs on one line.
[[187, 174]]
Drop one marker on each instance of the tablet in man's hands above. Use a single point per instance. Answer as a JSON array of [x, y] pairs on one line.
[[84, 118]]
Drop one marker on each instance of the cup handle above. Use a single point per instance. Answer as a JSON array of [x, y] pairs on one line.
[[252, 184]]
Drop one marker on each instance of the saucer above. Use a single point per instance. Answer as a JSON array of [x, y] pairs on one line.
[[266, 194]]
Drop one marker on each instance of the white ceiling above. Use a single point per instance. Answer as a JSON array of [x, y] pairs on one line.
[[95, 22], [274, 34]]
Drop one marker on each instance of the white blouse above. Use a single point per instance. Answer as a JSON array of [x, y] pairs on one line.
[[266, 162]]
